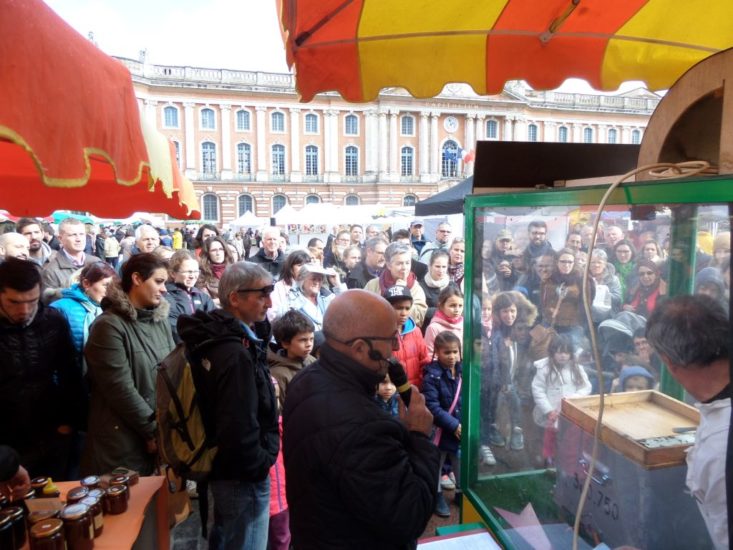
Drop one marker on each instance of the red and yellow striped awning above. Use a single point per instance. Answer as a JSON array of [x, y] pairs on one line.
[[358, 47], [71, 135]]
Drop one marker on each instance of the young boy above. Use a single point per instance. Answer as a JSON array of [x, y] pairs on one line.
[[293, 333], [386, 396], [413, 353]]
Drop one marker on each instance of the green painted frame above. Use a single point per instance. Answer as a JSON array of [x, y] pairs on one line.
[[718, 190]]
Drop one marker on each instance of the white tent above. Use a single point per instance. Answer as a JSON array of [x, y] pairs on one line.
[[247, 220]]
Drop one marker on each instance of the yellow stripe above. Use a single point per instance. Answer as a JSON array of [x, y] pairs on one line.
[[704, 26]]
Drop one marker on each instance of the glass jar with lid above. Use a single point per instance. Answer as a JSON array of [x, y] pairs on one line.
[[48, 535], [78, 527]]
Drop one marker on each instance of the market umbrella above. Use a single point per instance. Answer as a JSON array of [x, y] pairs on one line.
[[358, 47], [71, 134]]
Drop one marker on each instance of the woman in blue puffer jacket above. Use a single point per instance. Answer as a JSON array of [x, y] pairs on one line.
[[80, 303]]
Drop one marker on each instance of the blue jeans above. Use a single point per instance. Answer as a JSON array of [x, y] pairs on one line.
[[241, 515]]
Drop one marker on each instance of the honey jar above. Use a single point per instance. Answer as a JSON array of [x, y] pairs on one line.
[[48, 535], [78, 527]]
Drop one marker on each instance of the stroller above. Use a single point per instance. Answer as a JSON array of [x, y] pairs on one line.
[[615, 335]]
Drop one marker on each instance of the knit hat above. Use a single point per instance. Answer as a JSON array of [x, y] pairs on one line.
[[396, 293], [504, 235], [628, 372]]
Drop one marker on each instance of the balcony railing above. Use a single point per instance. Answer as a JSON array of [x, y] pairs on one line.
[[208, 176], [247, 176]]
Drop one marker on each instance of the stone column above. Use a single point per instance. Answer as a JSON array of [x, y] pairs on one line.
[[331, 142], [577, 136], [549, 131], [151, 113], [226, 141], [424, 145], [625, 135], [520, 129], [480, 127], [392, 166], [383, 146], [434, 147], [509, 128], [296, 175], [371, 141], [261, 168], [190, 123]]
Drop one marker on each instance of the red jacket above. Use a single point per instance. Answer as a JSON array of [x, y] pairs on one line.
[[277, 480], [413, 352]]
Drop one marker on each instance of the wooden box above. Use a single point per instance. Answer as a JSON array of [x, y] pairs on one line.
[[648, 427], [637, 496]]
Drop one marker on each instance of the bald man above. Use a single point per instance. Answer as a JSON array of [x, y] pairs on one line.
[[356, 476], [14, 245]]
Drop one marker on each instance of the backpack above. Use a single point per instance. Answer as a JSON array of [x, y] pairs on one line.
[[182, 440]]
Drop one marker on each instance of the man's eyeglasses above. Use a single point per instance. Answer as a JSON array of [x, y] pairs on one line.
[[394, 340], [265, 291], [189, 272]]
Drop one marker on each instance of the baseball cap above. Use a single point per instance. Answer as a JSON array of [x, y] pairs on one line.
[[505, 235], [416, 222], [396, 293]]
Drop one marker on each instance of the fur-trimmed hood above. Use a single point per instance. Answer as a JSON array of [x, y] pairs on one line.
[[118, 302]]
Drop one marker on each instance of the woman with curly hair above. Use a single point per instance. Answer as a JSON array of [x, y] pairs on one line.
[[214, 259]]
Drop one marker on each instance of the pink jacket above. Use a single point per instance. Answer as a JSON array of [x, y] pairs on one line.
[[278, 503], [438, 325]]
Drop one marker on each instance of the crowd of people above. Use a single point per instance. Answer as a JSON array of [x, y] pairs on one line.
[[86, 315]]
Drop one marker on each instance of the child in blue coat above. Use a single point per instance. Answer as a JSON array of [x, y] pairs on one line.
[[442, 388]]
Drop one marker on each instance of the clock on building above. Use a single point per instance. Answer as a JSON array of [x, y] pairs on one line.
[[450, 124]]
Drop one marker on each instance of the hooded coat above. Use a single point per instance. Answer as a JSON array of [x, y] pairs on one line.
[[236, 394], [125, 346], [284, 369], [80, 310]]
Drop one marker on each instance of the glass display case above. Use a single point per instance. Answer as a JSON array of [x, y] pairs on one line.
[[526, 453]]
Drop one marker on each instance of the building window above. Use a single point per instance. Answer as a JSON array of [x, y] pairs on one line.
[[278, 201], [407, 155], [243, 122], [351, 125], [311, 160], [351, 200], [208, 119], [409, 200], [208, 157], [351, 161], [278, 160], [449, 164], [408, 125], [636, 137], [587, 135], [612, 135], [312, 199], [562, 134], [178, 152], [244, 158], [245, 203], [311, 123], [210, 207], [277, 122], [170, 117], [492, 129], [532, 132]]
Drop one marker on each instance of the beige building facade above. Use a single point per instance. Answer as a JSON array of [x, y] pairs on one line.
[[247, 143]]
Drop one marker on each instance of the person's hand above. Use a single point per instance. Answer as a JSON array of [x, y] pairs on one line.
[[552, 416], [17, 486], [628, 307], [505, 269], [417, 417], [458, 432], [400, 282], [151, 446]]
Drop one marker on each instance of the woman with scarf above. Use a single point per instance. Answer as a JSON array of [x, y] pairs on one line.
[[291, 267], [214, 259], [644, 295], [562, 297], [624, 260], [457, 253], [398, 258]]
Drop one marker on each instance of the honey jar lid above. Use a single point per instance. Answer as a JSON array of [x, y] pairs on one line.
[[41, 515], [46, 528], [13, 512], [74, 511], [116, 490], [77, 493], [89, 501], [38, 482], [90, 480], [96, 493]]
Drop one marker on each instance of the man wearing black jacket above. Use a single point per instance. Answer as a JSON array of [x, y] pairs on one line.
[[238, 404], [357, 477]]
